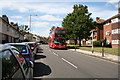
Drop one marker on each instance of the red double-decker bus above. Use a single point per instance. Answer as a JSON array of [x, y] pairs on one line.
[[57, 38]]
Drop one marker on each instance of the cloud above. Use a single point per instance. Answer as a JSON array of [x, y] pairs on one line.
[[49, 8], [47, 18], [50, 18], [105, 14], [44, 32], [113, 1], [99, 12], [22, 10], [56, 24], [40, 24], [56, 0], [26, 23], [18, 17], [118, 4]]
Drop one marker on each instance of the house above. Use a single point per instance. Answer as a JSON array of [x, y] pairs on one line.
[[35, 38], [28, 36], [96, 34], [112, 31], [8, 32], [108, 30]]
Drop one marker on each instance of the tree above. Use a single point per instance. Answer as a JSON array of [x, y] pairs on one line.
[[24, 29], [78, 23]]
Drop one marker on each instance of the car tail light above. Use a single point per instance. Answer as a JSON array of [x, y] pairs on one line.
[[41, 49], [30, 51], [33, 44], [27, 56]]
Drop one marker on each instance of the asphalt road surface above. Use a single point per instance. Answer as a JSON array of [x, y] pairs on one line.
[[58, 63]]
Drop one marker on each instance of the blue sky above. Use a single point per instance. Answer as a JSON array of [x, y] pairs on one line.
[[52, 13]]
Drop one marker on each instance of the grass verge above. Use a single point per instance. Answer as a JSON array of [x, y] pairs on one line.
[[114, 51]]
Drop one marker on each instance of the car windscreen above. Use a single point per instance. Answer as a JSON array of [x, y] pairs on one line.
[[21, 48]]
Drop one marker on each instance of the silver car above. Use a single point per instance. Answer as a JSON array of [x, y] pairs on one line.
[[14, 66]]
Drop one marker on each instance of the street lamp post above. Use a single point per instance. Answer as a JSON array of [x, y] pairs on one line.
[[30, 22]]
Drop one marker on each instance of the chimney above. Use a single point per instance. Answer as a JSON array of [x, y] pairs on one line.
[[118, 10], [97, 18], [5, 18], [11, 23], [119, 7]]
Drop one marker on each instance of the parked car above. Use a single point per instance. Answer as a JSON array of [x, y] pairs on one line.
[[39, 49], [24, 50], [14, 66], [33, 46]]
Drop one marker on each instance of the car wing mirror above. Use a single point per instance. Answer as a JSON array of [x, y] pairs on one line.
[[31, 64]]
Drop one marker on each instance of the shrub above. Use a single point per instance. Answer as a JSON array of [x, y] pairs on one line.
[[97, 43]]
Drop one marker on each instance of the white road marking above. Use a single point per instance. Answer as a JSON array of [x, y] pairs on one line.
[[69, 63], [55, 54]]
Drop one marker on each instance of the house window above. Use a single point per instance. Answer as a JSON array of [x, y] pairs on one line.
[[107, 42], [115, 41], [81, 42], [108, 33], [107, 24], [114, 20], [88, 42], [7, 28], [116, 31]]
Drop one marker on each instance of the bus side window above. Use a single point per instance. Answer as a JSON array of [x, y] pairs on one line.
[[52, 41]]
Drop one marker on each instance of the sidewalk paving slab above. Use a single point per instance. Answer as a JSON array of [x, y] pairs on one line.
[[107, 56]]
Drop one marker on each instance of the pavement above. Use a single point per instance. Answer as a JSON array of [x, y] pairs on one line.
[[107, 56]]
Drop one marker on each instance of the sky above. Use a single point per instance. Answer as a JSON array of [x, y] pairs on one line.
[[45, 14]]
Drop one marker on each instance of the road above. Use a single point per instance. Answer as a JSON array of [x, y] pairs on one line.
[[56, 63]]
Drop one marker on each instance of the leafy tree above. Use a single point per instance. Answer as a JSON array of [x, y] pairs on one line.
[[24, 29], [78, 23]]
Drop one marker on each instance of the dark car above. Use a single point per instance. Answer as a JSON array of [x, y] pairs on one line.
[[39, 49], [35, 47], [24, 50], [14, 66]]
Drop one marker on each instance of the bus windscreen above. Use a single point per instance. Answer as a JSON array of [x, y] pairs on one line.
[[60, 31], [59, 41]]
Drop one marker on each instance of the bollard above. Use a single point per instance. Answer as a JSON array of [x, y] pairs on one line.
[[103, 50]]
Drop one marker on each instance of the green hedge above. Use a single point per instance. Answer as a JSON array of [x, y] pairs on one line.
[[97, 43]]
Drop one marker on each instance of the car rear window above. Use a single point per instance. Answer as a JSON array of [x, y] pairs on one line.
[[31, 45], [21, 48], [10, 65]]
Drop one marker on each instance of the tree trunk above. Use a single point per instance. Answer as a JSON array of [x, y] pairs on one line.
[[75, 41], [79, 41]]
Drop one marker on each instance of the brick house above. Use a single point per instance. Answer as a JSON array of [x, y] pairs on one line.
[[97, 32], [112, 31], [108, 30]]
